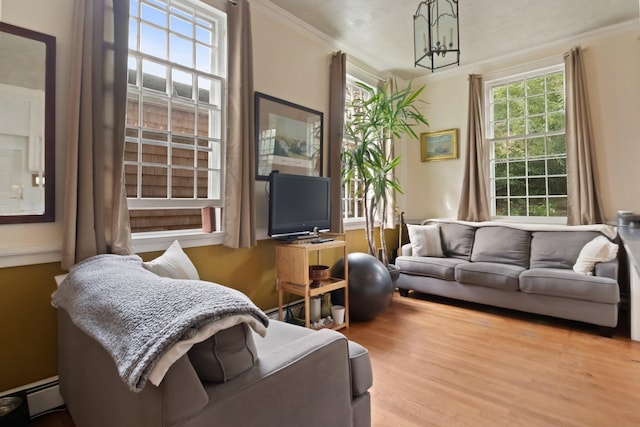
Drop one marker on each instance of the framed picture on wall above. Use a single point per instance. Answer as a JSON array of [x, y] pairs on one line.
[[439, 145], [288, 138]]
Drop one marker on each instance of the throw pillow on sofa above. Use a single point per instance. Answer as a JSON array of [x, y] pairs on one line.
[[597, 250], [425, 240], [173, 263]]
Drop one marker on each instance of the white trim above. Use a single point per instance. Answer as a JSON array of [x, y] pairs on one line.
[[160, 240], [297, 24], [558, 45], [524, 71], [29, 255]]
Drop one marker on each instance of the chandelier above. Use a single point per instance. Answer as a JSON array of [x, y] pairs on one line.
[[435, 34]]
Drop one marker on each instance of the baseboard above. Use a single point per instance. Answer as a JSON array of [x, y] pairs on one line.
[[42, 396], [294, 305]]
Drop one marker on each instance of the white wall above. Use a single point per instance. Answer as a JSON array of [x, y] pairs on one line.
[[53, 18], [612, 61], [292, 65], [290, 62]]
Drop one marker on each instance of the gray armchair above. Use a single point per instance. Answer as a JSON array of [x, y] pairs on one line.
[[301, 377]]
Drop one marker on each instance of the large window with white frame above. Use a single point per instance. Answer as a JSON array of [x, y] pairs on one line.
[[528, 156], [176, 111], [352, 201]]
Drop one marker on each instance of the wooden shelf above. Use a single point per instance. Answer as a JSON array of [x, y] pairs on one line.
[[292, 276]]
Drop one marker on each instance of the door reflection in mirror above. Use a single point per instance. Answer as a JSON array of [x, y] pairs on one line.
[[27, 79]]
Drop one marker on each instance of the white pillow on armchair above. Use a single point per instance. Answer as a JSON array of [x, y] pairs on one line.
[[173, 263]]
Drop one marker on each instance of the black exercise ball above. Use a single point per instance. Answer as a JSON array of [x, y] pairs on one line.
[[370, 286]]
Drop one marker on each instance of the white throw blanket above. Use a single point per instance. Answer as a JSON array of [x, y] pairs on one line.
[[138, 316]]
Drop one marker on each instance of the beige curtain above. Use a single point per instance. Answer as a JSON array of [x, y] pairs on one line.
[[338, 81], [474, 199], [583, 203], [239, 205], [96, 219]]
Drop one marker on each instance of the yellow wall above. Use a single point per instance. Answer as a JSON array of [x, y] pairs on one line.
[[28, 338], [28, 335]]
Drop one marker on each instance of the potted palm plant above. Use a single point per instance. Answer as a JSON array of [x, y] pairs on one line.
[[386, 113]]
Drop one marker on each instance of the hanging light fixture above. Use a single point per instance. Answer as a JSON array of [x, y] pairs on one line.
[[435, 34]]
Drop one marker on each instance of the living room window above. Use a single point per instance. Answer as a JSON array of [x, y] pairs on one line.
[[352, 202], [176, 110], [528, 156]]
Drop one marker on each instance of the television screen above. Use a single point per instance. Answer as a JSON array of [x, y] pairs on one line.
[[298, 204]]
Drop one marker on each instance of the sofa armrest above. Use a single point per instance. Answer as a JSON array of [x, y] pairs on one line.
[[305, 379], [361, 372], [97, 396], [607, 269], [406, 250]]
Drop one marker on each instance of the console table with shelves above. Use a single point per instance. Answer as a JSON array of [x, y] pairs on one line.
[[292, 276]]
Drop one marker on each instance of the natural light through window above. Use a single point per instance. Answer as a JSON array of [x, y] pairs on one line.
[[526, 132], [176, 104], [352, 202]]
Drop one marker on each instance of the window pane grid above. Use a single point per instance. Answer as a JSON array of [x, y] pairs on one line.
[[526, 133], [174, 146], [352, 199]]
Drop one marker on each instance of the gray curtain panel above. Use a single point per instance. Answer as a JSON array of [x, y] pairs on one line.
[[338, 81], [239, 205], [583, 202], [474, 198], [96, 218]]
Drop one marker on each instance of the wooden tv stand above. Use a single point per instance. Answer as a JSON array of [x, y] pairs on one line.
[[292, 276]]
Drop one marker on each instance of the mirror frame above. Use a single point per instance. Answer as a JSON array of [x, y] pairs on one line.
[[49, 126]]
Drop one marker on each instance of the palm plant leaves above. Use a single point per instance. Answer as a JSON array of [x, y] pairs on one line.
[[374, 121]]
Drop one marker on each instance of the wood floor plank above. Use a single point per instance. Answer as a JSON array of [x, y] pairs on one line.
[[437, 362]]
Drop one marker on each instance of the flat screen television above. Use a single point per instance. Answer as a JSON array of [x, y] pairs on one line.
[[298, 205]]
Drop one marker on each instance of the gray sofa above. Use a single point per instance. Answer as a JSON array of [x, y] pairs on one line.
[[517, 267], [301, 377]]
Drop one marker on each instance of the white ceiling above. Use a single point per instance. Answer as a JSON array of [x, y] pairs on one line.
[[380, 32]]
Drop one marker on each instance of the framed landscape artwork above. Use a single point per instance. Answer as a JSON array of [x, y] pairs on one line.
[[439, 145], [288, 138]]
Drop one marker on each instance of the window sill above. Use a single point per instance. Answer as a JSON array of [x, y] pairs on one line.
[[160, 240]]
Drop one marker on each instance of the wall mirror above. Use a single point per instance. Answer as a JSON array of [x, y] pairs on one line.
[[27, 125]]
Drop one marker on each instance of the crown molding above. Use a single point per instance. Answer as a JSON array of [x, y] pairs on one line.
[[297, 24], [556, 47]]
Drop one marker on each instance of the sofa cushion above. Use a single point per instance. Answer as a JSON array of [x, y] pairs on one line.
[[457, 240], [490, 275], [442, 268], [568, 284], [425, 240], [558, 249], [224, 355], [502, 245]]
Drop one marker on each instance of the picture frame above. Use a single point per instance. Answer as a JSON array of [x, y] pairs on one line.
[[441, 145], [288, 137]]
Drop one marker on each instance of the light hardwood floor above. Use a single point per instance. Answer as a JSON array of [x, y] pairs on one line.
[[442, 363], [438, 362]]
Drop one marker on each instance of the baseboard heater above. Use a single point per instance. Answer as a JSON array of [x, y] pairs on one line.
[[42, 396]]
